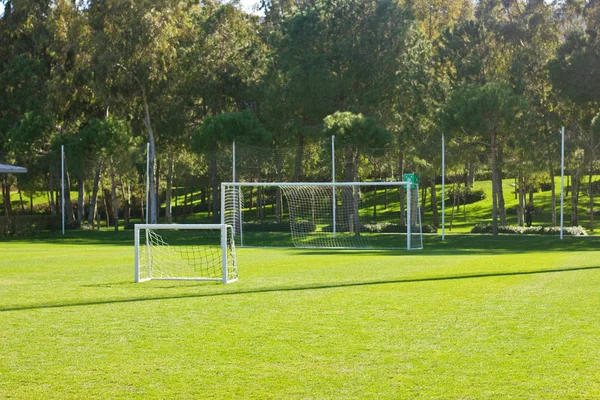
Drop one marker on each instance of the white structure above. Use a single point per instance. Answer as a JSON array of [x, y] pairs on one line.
[[323, 215], [11, 169], [185, 252]]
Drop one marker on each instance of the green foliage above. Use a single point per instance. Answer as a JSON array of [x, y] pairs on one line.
[[355, 131], [382, 227], [573, 72], [467, 195], [531, 230], [481, 110], [225, 128]]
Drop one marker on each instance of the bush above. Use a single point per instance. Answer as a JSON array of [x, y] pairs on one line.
[[28, 225], [267, 226], [532, 230], [382, 227], [304, 226], [468, 195]]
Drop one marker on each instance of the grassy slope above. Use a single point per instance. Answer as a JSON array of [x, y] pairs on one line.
[[485, 318], [481, 210], [463, 220]]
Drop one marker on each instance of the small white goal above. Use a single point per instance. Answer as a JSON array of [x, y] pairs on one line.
[[185, 252]]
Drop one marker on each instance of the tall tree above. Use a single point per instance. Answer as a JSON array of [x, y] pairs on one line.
[[136, 46], [487, 113]]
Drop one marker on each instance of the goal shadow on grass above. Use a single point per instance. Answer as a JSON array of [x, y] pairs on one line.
[[290, 288]]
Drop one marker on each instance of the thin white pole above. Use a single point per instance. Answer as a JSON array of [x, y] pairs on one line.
[[562, 181], [233, 160], [136, 240], [224, 253], [223, 203], [443, 186], [235, 202], [147, 180], [333, 199], [62, 186], [408, 215]]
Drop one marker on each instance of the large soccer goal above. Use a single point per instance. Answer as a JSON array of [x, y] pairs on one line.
[[384, 215], [185, 252]]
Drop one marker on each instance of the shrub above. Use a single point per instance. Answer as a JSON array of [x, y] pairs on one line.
[[383, 227], [267, 226], [468, 195], [28, 225], [532, 230], [304, 226]]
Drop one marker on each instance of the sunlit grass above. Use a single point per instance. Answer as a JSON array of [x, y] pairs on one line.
[[471, 317], [462, 221]]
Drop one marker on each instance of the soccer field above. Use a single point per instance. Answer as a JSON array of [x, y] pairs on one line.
[[473, 317]]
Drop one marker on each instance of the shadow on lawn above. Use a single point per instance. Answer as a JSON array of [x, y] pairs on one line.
[[291, 288]]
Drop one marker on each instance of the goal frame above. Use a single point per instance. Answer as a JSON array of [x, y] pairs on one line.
[[223, 240], [408, 185]]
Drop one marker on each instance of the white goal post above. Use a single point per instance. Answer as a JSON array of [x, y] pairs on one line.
[[185, 252], [384, 215]]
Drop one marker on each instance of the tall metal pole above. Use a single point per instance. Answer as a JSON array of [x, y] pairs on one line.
[[443, 186], [333, 199], [233, 161], [408, 215], [233, 188], [62, 186], [147, 180], [562, 181]]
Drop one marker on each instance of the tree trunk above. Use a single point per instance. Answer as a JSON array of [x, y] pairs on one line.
[[157, 188], [51, 192], [115, 200], [500, 191], [454, 197], [94, 199], [434, 207], [375, 203], [20, 197], [521, 197], [494, 186], [401, 189], [553, 196], [185, 201], [69, 214], [591, 195], [215, 187], [126, 192], [298, 163], [153, 202], [278, 204], [80, 198], [348, 193], [168, 211], [6, 195], [575, 179]]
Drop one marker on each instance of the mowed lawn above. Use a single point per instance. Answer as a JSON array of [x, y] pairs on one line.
[[471, 318]]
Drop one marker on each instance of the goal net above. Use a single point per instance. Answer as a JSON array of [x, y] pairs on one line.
[[384, 215], [185, 252]]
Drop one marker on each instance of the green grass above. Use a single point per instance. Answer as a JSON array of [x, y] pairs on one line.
[[472, 317], [462, 222]]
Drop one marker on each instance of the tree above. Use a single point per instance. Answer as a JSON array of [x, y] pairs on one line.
[[136, 46], [220, 131], [575, 77], [488, 114], [339, 55], [355, 134]]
